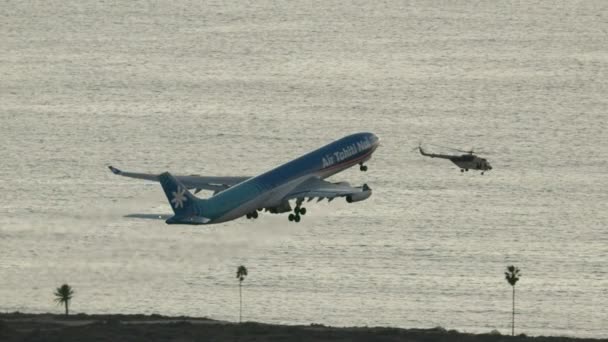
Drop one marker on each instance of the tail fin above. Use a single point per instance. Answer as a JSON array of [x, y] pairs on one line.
[[183, 203]]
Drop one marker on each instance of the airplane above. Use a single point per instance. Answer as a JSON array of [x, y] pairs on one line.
[[464, 162], [300, 179]]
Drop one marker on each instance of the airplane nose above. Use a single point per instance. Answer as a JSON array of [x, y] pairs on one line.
[[375, 139]]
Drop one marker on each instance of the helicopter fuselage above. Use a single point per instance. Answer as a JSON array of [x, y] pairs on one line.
[[471, 162], [465, 162]]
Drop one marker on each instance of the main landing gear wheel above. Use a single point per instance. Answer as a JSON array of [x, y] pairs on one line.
[[252, 215], [295, 218], [296, 215]]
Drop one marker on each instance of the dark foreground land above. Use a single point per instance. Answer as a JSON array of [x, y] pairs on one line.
[[48, 327]]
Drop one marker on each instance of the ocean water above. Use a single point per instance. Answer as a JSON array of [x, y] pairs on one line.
[[238, 87]]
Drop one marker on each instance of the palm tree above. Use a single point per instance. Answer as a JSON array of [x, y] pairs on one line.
[[63, 295], [512, 275], [241, 273]]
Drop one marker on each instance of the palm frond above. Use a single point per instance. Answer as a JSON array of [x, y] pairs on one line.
[[241, 272], [63, 294], [512, 275]]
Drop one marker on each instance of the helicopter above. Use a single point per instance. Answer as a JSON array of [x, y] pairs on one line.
[[466, 161]]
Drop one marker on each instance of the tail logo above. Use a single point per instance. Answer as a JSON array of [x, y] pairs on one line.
[[179, 198]]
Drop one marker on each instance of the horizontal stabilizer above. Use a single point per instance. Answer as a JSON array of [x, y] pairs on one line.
[[187, 220], [145, 176], [193, 182]]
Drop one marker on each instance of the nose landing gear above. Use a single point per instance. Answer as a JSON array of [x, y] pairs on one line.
[[252, 215], [362, 167]]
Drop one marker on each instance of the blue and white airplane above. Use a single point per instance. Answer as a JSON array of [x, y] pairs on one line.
[[299, 179]]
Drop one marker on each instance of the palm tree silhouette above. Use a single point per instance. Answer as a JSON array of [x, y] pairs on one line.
[[63, 295], [512, 275], [241, 273]]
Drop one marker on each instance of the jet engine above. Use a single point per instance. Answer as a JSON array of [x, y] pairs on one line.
[[281, 208], [359, 196]]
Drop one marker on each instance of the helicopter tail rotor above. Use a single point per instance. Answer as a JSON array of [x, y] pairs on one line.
[[418, 148]]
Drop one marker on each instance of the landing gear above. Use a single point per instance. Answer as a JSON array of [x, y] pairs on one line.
[[252, 215], [297, 211], [461, 170], [295, 217], [362, 167]]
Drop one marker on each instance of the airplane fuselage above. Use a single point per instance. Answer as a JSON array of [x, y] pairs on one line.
[[270, 188]]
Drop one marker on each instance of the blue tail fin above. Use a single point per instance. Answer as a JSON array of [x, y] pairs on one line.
[[183, 203]]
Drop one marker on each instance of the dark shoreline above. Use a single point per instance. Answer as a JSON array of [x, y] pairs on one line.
[[83, 327]]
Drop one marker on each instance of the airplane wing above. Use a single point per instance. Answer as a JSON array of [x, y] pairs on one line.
[[318, 188], [195, 182]]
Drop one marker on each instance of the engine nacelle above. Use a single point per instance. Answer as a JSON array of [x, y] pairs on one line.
[[281, 208], [363, 195]]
